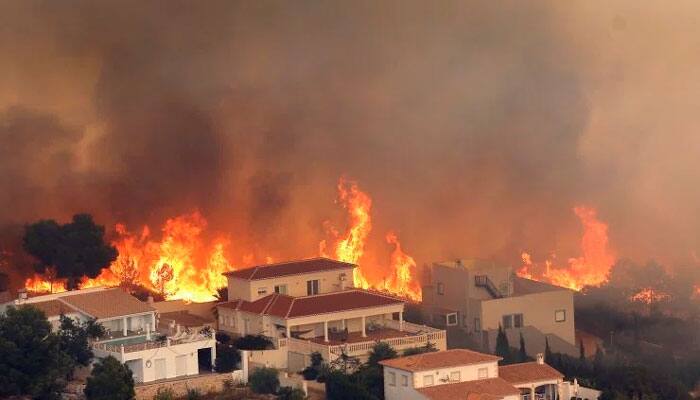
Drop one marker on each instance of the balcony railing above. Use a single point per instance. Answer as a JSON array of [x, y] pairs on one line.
[[112, 347]]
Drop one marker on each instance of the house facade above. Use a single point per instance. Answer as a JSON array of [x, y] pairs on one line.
[[462, 374], [130, 336], [311, 306], [479, 296]]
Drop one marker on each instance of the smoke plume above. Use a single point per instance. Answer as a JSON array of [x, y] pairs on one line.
[[476, 126]]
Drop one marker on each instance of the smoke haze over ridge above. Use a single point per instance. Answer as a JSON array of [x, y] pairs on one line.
[[476, 127]]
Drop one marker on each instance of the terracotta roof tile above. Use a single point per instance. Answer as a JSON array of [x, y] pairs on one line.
[[186, 319], [289, 268], [528, 372], [491, 388], [440, 359], [53, 308], [107, 303], [284, 306]]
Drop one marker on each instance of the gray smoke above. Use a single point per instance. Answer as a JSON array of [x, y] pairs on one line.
[[475, 126]]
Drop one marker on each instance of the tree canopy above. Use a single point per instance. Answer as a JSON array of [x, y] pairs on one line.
[[110, 380], [32, 361], [71, 250]]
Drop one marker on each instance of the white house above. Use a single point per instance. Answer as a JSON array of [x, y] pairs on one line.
[[461, 374], [311, 305], [130, 336]]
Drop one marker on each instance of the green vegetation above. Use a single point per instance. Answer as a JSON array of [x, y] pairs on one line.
[[227, 358], [365, 382], [110, 380], [264, 381], [288, 393], [253, 342], [428, 348], [71, 250]]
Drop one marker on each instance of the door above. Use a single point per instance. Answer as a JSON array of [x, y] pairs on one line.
[[159, 365], [181, 365]]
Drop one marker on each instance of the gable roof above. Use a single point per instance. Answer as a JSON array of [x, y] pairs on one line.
[[440, 359], [53, 308], [490, 388], [107, 303], [289, 268], [528, 372], [284, 306]]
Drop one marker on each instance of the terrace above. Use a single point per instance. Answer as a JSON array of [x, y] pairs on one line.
[[399, 335]]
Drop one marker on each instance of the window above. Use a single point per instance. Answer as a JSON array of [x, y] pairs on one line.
[[483, 373], [559, 315], [440, 288], [281, 289], [404, 380], [455, 376], [451, 319], [477, 325], [518, 320], [507, 321], [427, 380], [312, 287], [392, 379], [262, 291], [513, 321]]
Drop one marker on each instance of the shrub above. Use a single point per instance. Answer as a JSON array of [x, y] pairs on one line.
[[164, 394], [253, 342], [227, 358], [110, 380], [193, 394], [288, 393], [264, 381], [222, 337]]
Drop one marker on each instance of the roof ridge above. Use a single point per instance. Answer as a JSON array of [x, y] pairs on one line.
[[73, 306], [291, 306]]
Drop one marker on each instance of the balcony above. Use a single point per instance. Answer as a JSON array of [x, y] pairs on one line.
[[356, 345], [141, 343]]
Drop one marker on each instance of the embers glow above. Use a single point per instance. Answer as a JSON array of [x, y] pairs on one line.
[[649, 296]]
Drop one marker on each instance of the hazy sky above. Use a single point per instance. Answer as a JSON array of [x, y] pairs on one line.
[[475, 126]]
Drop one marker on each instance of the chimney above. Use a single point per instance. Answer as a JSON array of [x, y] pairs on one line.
[[21, 295], [540, 358], [150, 299]]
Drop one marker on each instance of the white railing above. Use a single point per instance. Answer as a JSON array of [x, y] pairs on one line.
[[151, 344], [408, 326], [281, 342]]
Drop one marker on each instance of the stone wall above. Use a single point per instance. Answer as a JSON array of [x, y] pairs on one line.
[[204, 383]]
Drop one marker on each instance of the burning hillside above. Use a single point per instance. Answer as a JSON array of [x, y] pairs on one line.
[[181, 264]]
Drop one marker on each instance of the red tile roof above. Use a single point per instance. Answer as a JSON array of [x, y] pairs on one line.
[[440, 359], [284, 306], [528, 372], [53, 308], [491, 388], [106, 303], [289, 268]]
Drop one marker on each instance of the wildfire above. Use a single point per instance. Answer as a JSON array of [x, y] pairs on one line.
[[403, 280], [179, 266], [649, 296], [590, 269], [350, 247]]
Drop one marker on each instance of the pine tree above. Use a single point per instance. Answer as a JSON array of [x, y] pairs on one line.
[[581, 350], [522, 353], [502, 346], [547, 352]]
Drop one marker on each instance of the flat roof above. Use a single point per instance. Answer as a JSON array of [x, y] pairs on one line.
[[287, 268], [523, 286], [440, 359]]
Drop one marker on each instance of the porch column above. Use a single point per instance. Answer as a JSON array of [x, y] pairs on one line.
[[343, 320], [364, 334], [289, 332], [124, 326], [153, 321], [532, 392], [401, 321], [325, 331]]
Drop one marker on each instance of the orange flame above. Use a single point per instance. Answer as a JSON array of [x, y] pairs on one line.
[[403, 281], [351, 246], [590, 269]]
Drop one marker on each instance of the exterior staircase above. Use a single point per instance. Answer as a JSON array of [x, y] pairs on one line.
[[483, 281]]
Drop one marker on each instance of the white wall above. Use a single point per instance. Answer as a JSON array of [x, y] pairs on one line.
[[145, 373]]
